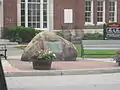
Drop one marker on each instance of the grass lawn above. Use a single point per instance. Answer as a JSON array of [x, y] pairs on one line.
[[20, 47], [103, 52]]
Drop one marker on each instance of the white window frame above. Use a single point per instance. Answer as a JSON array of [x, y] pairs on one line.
[[90, 23], [99, 23], [115, 16], [41, 16], [18, 12]]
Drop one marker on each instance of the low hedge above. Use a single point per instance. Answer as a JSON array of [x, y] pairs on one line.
[[87, 36], [93, 36], [60, 33], [25, 34], [19, 34]]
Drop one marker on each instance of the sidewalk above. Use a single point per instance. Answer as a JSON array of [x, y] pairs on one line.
[[15, 67], [7, 67]]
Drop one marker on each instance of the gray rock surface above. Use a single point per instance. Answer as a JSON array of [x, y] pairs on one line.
[[66, 50]]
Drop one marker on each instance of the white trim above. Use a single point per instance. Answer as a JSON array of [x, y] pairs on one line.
[[26, 13], [50, 14], [41, 29], [100, 23], [92, 12], [103, 11], [115, 11], [18, 12], [41, 15], [90, 23]]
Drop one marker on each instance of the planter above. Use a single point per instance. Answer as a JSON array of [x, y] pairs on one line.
[[41, 64]]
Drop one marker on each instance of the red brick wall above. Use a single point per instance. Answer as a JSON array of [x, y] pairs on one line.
[[78, 13], [10, 13]]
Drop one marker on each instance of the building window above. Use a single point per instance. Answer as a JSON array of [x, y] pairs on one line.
[[112, 11], [100, 11], [34, 13], [88, 11], [22, 12]]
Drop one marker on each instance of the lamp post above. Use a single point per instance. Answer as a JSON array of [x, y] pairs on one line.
[[3, 85]]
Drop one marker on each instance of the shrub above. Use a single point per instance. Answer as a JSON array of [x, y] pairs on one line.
[[117, 56], [87, 36], [19, 34], [60, 33], [37, 31], [93, 36], [5, 33]]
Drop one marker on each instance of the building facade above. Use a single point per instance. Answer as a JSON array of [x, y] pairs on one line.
[[89, 15]]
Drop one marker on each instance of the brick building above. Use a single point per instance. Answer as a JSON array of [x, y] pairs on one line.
[[88, 15]]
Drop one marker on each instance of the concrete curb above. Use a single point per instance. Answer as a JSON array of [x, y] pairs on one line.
[[62, 72]]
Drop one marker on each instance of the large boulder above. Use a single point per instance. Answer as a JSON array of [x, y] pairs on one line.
[[64, 49]]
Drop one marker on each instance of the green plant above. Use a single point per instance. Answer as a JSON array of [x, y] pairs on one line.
[[37, 31], [117, 56], [104, 31], [21, 47], [19, 33], [118, 51], [93, 36], [5, 33], [45, 54], [60, 33], [18, 38]]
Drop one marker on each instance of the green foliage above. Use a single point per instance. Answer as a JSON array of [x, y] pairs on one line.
[[37, 31], [60, 33], [93, 36], [87, 36], [21, 47], [45, 54], [104, 31], [107, 53], [19, 34]]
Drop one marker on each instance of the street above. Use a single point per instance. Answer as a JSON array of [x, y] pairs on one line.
[[77, 82]]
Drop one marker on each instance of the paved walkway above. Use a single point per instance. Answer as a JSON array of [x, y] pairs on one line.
[[8, 67], [17, 68], [14, 65]]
